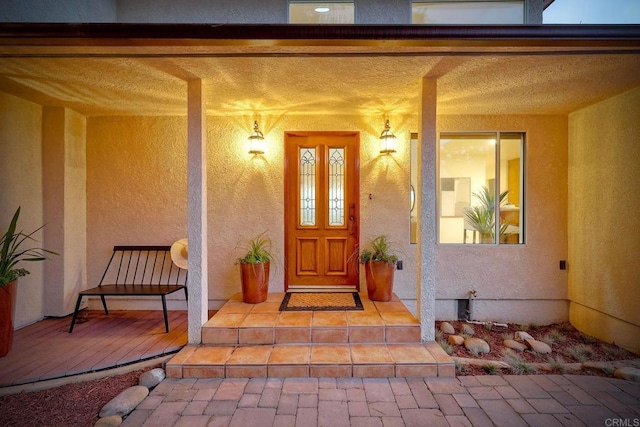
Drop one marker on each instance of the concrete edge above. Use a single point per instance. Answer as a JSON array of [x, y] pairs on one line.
[[541, 366], [57, 382]]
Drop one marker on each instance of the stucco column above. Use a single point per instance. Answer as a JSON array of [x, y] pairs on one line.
[[197, 284], [64, 163], [427, 167]]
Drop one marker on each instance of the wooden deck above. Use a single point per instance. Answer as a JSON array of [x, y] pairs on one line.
[[45, 350]]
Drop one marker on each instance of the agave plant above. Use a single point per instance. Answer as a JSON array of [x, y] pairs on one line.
[[258, 251], [11, 252], [482, 217], [379, 250]]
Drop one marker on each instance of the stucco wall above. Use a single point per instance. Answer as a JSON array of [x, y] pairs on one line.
[[21, 185], [137, 194], [199, 11], [604, 260], [515, 283], [58, 11], [392, 12], [136, 187], [136, 190]]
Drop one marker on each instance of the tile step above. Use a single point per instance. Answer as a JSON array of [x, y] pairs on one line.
[[316, 335], [312, 360], [237, 323]]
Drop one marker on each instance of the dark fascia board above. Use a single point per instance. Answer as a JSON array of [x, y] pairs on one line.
[[546, 4], [134, 34]]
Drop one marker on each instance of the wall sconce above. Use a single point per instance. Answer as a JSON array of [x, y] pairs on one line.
[[256, 141], [388, 140]]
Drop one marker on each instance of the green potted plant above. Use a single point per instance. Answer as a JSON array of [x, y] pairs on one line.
[[254, 270], [12, 253], [481, 217], [379, 264]]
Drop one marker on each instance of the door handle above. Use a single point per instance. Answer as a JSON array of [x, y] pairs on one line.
[[352, 219]]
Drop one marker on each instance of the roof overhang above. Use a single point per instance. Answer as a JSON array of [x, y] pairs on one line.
[[142, 69], [21, 35]]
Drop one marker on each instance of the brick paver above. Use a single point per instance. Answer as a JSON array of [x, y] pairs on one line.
[[540, 400]]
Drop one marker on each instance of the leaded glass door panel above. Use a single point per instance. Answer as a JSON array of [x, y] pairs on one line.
[[321, 212]]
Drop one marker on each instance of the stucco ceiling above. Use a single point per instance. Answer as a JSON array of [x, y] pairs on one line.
[[364, 83]]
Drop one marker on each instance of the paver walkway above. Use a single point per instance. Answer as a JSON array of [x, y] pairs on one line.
[[512, 400]]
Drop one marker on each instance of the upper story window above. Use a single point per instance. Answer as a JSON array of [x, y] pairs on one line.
[[481, 182], [314, 12], [471, 12]]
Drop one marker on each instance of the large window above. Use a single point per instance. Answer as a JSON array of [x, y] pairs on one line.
[[468, 12], [314, 12], [481, 174]]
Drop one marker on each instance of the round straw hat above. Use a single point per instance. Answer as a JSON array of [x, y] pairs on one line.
[[179, 253]]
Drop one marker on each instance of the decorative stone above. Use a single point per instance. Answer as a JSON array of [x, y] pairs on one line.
[[521, 336], [467, 329], [627, 373], [447, 328], [125, 402], [111, 421], [476, 345], [455, 340], [538, 346], [151, 378], [514, 345]]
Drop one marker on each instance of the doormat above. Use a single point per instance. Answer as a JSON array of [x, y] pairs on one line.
[[321, 301]]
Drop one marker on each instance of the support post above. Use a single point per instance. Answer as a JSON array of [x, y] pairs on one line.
[[427, 172], [197, 283], [64, 177]]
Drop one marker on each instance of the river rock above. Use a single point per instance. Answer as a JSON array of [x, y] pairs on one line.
[[514, 345], [447, 328], [522, 335], [151, 378], [112, 421], [477, 345], [455, 340], [627, 373], [538, 346], [467, 329], [125, 402]]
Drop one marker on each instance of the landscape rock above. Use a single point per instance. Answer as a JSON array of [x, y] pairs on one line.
[[627, 373], [111, 421], [467, 329], [477, 345], [455, 340], [447, 328], [125, 402], [521, 336], [151, 378], [514, 345], [538, 346]]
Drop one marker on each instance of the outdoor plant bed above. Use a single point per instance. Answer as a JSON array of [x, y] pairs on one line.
[[572, 351], [74, 404]]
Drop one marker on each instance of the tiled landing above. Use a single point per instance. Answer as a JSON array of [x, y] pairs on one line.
[[258, 340]]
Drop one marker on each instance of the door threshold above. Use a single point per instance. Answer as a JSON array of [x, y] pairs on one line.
[[320, 288]]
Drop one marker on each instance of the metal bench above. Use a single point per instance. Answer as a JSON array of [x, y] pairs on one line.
[[138, 271]]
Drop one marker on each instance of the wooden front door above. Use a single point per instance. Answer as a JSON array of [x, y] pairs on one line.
[[321, 209]]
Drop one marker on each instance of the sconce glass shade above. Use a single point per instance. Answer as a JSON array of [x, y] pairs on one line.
[[256, 141], [388, 140]]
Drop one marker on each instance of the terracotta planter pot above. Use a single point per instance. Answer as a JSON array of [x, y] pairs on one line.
[[379, 280], [7, 307], [255, 282]]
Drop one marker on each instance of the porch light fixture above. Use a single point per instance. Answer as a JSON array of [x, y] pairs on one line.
[[388, 140], [256, 141]]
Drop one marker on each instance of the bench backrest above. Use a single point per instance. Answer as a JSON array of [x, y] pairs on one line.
[[142, 265]]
